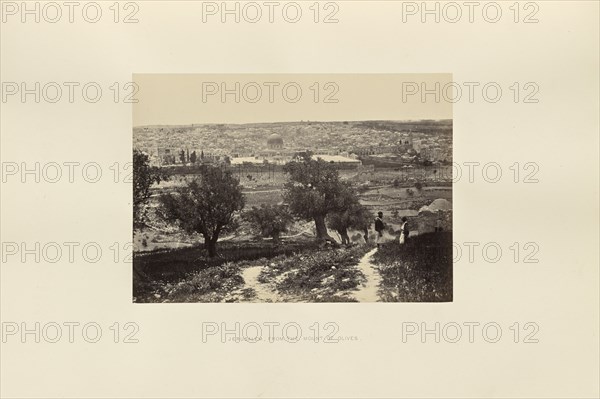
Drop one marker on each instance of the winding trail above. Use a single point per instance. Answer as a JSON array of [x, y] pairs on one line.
[[368, 291], [263, 293]]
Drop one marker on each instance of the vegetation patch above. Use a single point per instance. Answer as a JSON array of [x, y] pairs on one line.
[[418, 271], [327, 275], [208, 285]]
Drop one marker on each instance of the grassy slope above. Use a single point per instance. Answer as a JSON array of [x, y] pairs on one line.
[[156, 273], [418, 271], [298, 272]]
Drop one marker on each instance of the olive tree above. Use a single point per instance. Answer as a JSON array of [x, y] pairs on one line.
[[207, 205], [144, 176], [314, 190]]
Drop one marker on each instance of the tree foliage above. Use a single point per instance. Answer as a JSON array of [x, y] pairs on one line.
[[353, 216], [144, 176], [206, 205], [349, 214], [314, 190], [270, 220]]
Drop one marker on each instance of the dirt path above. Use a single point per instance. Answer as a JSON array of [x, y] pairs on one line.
[[263, 291], [368, 291]]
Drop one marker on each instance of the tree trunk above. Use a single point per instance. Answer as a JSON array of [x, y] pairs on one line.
[[344, 236], [275, 236], [211, 247], [322, 234]]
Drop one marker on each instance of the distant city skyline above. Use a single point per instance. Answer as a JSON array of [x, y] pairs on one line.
[[279, 142]]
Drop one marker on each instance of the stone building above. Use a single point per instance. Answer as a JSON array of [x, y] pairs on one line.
[[275, 142]]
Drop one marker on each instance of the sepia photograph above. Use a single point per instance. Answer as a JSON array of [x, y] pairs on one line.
[[294, 211], [299, 199]]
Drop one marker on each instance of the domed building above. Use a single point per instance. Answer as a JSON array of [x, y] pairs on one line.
[[275, 142]]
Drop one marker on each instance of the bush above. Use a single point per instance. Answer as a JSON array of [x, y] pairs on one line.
[[269, 220]]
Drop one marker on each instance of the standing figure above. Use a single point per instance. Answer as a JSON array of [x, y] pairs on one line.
[[379, 227], [438, 223], [404, 230]]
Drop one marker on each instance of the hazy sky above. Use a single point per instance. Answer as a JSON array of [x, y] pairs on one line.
[[180, 99]]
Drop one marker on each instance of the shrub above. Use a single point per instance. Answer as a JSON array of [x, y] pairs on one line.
[[270, 220]]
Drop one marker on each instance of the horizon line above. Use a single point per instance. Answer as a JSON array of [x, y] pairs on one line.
[[296, 121]]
